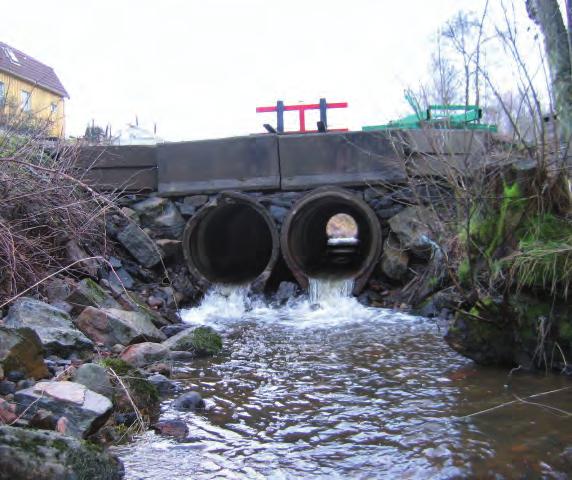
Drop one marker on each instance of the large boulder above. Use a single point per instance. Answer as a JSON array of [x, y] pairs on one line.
[[84, 410], [201, 341], [21, 350], [170, 224], [43, 455], [150, 208], [54, 327], [111, 326], [87, 293], [394, 260], [140, 245], [162, 216], [411, 227], [143, 354]]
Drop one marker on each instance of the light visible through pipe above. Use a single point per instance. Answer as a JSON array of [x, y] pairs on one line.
[[231, 240], [310, 253]]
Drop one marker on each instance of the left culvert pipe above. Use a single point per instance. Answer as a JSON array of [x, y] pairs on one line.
[[232, 240]]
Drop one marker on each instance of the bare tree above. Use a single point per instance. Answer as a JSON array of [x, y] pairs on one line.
[[547, 15]]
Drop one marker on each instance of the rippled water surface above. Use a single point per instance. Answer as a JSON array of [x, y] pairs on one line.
[[344, 391]]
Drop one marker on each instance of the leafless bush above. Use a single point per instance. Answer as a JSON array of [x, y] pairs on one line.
[[43, 207]]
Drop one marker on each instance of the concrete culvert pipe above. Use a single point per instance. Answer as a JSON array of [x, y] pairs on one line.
[[309, 249], [232, 240]]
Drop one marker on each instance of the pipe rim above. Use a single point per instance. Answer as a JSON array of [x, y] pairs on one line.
[[222, 199], [374, 253]]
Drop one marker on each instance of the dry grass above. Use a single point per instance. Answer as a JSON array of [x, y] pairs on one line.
[[43, 206]]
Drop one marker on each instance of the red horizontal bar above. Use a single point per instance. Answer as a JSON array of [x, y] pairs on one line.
[[265, 109], [312, 106]]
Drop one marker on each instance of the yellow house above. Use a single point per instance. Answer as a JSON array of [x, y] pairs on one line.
[[31, 91]]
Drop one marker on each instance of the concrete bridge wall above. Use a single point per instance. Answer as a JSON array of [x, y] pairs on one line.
[[279, 162]]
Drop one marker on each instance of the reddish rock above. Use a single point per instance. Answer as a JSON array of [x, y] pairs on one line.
[[111, 326], [142, 354], [155, 302], [172, 428], [7, 412]]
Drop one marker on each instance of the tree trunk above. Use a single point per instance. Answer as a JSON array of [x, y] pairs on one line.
[[546, 14]]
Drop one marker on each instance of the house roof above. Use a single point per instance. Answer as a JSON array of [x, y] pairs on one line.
[[19, 64]]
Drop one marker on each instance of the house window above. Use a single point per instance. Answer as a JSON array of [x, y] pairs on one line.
[[53, 108], [26, 101], [2, 94], [11, 55]]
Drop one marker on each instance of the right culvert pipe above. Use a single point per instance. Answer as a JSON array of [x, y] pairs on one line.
[[315, 245]]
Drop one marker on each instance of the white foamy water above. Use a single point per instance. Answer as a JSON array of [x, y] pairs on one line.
[[329, 302]]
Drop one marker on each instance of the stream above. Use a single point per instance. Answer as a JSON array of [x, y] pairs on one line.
[[324, 387]]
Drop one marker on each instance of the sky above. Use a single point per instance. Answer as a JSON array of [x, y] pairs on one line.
[[199, 68]]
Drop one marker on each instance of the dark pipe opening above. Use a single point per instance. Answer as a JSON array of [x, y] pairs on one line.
[[308, 249], [232, 241]]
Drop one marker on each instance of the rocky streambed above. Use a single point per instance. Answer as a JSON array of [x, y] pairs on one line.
[[85, 374]]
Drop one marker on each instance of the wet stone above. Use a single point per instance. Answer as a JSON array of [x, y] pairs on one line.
[[171, 330], [172, 428], [15, 375], [7, 387], [189, 401], [163, 384], [84, 410], [43, 455], [142, 354]]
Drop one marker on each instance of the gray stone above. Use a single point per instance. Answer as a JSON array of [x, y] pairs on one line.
[[286, 291], [278, 213], [130, 214], [121, 278], [170, 248], [162, 216], [411, 226], [84, 410], [21, 350], [94, 377], [43, 455], [138, 244], [163, 385], [115, 262], [171, 330], [110, 326], [57, 289], [196, 201], [143, 354], [170, 224], [182, 355], [150, 208], [186, 210], [7, 387], [371, 193], [189, 401], [82, 260], [54, 327], [87, 293], [394, 260], [386, 213]]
